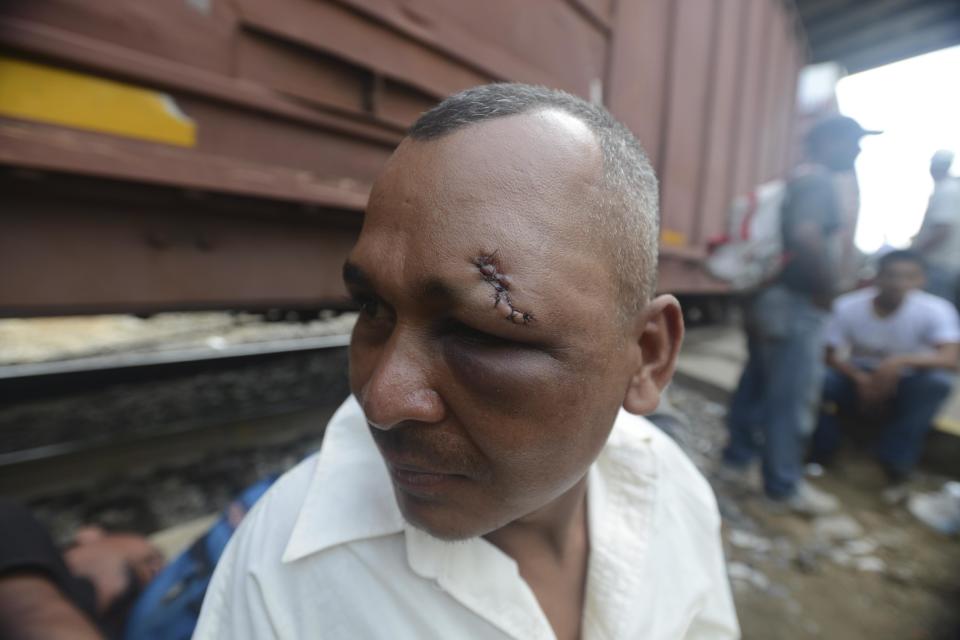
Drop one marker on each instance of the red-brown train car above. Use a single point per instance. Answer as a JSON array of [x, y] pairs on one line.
[[217, 153]]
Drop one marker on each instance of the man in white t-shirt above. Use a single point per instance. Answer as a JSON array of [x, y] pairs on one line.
[[939, 237], [891, 352], [491, 476]]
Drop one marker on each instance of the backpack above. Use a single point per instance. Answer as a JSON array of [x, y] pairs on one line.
[[169, 607], [751, 253]]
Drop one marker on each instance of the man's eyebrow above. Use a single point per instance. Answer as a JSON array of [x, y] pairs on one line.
[[438, 291], [434, 289]]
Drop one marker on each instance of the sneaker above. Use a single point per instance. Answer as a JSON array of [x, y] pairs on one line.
[[814, 470], [940, 510], [809, 501]]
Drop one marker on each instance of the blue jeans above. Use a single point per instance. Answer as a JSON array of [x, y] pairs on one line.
[[918, 398], [773, 409]]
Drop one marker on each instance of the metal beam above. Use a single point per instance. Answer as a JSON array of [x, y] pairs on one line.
[[932, 39], [71, 246], [864, 16], [913, 24], [812, 10], [866, 33], [50, 148]]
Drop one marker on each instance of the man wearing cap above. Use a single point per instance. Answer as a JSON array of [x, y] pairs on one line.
[[939, 237], [772, 412]]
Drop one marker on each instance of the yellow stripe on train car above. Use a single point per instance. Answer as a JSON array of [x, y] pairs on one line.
[[42, 93], [673, 238]]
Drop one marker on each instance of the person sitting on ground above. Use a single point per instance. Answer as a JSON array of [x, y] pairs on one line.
[[902, 344], [491, 476], [81, 593]]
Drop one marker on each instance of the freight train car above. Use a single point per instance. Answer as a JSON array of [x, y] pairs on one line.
[[203, 154]]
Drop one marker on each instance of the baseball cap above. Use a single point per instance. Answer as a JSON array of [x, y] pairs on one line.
[[836, 126]]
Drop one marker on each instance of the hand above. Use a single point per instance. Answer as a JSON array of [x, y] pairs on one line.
[[868, 393], [877, 387], [106, 559], [886, 377]]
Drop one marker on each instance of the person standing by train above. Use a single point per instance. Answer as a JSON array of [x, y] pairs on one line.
[[772, 411], [938, 240]]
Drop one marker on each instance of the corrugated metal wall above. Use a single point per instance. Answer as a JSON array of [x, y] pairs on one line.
[[299, 102]]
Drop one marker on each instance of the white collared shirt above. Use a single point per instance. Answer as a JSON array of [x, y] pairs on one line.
[[327, 554]]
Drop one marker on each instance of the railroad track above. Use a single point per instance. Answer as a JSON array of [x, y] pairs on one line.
[[81, 408], [21, 381]]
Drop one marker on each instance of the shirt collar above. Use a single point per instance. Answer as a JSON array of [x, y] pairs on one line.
[[350, 480]]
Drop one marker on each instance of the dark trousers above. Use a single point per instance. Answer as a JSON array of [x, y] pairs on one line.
[[772, 412], [906, 421]]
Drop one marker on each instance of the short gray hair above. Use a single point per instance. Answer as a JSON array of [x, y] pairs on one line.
[[628, 219]]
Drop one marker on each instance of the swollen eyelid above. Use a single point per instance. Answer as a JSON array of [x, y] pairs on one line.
[[470, 335], [368, 304], [479, 337]]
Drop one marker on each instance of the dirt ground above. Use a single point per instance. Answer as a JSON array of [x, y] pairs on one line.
[[873, 572]]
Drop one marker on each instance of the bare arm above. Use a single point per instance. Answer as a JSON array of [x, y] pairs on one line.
[[32, 608], [944, 357], [885, 378]]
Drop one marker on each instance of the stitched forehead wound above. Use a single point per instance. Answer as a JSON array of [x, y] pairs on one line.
[[490, 271]]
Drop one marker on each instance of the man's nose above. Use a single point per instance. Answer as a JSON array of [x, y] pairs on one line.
[[398, 389]]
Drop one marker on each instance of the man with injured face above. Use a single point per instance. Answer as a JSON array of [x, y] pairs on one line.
[[491, 475]]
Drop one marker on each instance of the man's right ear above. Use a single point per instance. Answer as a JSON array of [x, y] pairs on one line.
[[658, 333]]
